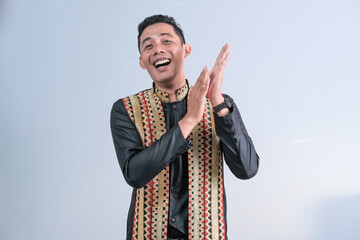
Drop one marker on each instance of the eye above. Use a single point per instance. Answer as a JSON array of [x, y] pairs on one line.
[[149, 46], [166, 41]]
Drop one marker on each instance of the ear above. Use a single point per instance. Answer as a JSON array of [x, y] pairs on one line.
[[187, 50], [141, 63]]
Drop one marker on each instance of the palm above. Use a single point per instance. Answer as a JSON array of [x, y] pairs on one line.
[[217, 72]]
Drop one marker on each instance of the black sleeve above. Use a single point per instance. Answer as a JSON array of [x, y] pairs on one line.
[[236, 144], [138, 164]]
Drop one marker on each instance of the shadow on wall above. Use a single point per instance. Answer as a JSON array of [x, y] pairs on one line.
[[338, 218]]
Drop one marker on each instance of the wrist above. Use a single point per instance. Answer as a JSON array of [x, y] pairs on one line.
[[217, 100], [186, 125], [189, 121], [223, 108], [223, 112]]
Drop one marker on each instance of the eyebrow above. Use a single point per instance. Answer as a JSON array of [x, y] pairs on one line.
[[161, 34]]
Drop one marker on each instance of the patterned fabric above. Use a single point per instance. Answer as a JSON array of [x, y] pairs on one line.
[[205, 166], [180, 93]]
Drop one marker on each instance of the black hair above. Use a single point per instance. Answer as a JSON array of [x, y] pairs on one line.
[[160, 19]]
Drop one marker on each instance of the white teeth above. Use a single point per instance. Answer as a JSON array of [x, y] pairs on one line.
[[161, 62]]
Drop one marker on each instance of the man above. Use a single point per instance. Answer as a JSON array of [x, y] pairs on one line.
[[170, 140]]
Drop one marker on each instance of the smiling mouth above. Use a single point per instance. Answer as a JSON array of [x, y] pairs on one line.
[[162, 63]]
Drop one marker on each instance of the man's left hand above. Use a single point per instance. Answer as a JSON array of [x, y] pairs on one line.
[[216, 76]]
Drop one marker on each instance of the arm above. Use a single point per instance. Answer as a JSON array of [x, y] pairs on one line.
[[236, 144], [140, 165], [238, 149]]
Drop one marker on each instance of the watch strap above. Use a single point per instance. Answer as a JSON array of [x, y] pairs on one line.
[[220, 106]]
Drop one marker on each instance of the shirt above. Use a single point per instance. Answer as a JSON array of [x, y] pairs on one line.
[[140, 165]]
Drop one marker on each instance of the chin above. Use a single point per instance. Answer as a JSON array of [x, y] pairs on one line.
[[162, 80]]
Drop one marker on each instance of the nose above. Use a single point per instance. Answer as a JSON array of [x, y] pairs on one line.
[[158, 48]]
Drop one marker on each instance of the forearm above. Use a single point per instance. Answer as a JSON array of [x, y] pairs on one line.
[[237, 146], [140, 165]]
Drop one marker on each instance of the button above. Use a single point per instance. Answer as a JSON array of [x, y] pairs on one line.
[[232, 133], [174, 106], [172, 220], [229, 124], [234, 140], [173, 190]]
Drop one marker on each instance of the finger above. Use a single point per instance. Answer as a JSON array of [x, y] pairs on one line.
[[227, 47], [207, 82], [203, 74], [201, 79], [225, 52], [205, 87], [225, 59], [204, 82], [222, 55]]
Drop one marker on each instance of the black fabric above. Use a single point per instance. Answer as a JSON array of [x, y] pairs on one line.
[[140, 165]]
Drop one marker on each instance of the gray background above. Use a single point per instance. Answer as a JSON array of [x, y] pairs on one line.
[[293, 71]]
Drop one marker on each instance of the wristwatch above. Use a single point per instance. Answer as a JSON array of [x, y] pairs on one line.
[[222, 105]]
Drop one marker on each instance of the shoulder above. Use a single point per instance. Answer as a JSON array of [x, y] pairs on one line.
[[119, 104]]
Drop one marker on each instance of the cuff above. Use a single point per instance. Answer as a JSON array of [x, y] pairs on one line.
[[227, 125], [181, 144]]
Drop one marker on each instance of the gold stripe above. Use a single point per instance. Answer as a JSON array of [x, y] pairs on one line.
[[214, 181], [162, 203], [154, 206], [141, 215], [195, 183], [155, 187], [190, 188], [138, 119], [221, 203], [148, 140], [201, 193], [154, 108], [139, 126], [129, 109], [136, 216]]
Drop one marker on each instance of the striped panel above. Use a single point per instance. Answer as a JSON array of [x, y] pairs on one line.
[[206, 209]]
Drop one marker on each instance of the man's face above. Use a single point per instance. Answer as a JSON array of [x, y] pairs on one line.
[[162, 53]]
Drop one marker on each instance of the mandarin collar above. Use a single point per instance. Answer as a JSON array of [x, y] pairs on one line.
[[181, 93]]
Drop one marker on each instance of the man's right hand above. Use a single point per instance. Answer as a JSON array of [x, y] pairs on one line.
[[196, 103]]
